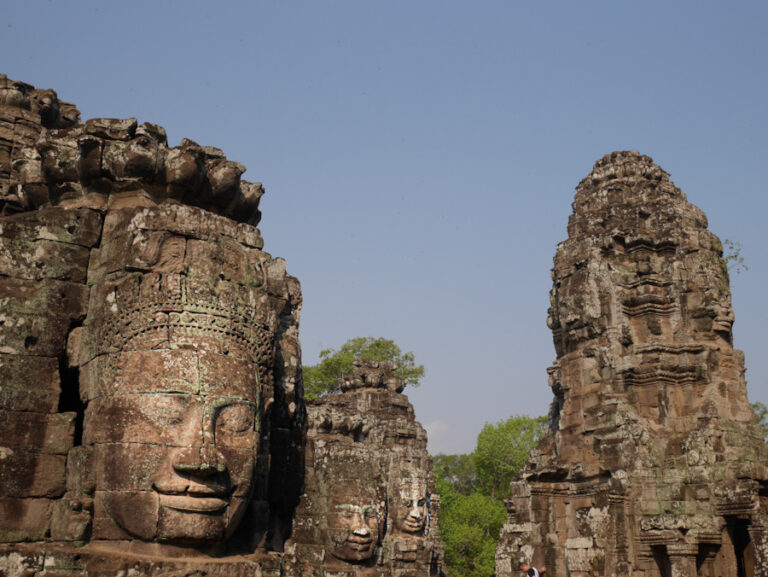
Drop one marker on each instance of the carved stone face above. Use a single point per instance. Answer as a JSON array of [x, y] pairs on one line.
[[353, 525], [175, 443], [411, 506]]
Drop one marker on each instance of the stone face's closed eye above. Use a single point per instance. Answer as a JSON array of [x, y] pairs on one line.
[[236, 418]]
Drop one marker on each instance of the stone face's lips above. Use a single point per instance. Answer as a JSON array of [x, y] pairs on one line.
[[356, 543], [194, 503], [412, 524]]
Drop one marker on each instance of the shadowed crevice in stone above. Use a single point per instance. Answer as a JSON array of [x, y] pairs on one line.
[[69, 399]]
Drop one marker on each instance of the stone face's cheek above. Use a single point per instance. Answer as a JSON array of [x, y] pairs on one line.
[[339, 528], [372, 522], [127, 466], [240, 464], [237, 509], [134, 512], [340, 525]]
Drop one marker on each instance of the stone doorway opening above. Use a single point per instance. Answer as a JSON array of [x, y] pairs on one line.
[[662, 560], [743, 549]]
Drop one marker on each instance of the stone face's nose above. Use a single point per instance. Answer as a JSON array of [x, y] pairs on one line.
[[200, 459], [202, 469], [360, 526]]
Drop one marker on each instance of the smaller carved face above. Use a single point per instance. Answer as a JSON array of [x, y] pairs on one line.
[[353, 526], [411, 508]]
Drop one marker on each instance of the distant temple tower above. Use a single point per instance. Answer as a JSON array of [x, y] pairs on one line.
[[655, 466]]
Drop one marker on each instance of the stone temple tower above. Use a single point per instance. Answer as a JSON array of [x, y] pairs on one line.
[[654, 465]]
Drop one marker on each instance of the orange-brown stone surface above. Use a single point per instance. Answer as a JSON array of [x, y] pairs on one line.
[[150, 387], [152, 419], [655, 465]]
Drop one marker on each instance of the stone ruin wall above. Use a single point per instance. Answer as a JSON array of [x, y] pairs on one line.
[[137, 300], [126, 304], [151, 408], [654, 465], [366, 452]]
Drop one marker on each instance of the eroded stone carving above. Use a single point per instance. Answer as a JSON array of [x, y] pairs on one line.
[[108, 156], [372, 375], [149, 356], [367, 455], [654, 465], [184, 395], [410, 502], [151, 411]]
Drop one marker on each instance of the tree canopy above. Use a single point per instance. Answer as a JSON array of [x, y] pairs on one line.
[[732, 256], [457, 471], [471, 489], [323, 378], [502, 449], [469, 528]]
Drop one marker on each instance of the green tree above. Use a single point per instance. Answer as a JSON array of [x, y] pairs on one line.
[[761, 411], [323, 378], [502, 450], [470, 487], [458, 471], [469, 528], [732, 256]]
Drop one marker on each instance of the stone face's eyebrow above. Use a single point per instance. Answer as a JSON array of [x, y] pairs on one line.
[[362, 509], [348, 507]]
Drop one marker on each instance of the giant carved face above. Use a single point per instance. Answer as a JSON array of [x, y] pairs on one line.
[[175, 443], [354, 523], [411, 506]]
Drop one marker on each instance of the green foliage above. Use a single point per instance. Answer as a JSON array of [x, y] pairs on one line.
[[732, 259], [471, 487], [502, 450], [469, 527], [761, 412], [457, 471], [323, 378]]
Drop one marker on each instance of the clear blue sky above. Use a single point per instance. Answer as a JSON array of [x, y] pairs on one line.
[[420, 156]]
